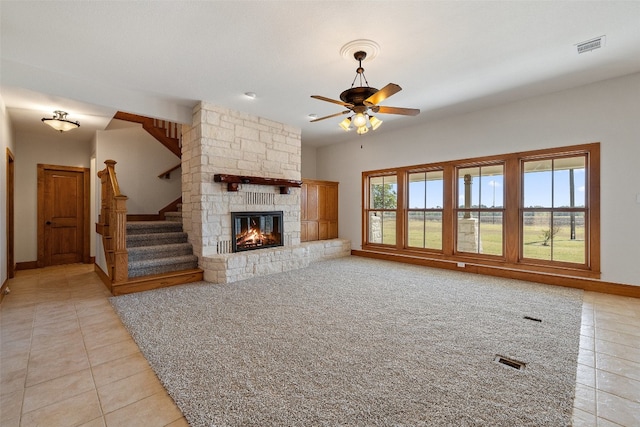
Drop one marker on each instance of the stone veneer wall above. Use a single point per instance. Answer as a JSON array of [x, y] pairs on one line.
[[223, 141]]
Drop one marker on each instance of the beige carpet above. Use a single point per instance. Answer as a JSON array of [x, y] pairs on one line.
[[360, 342]]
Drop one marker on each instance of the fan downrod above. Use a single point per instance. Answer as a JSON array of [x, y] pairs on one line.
[[360, 56]]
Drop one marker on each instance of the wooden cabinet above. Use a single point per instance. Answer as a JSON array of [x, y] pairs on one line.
[[318, 210]]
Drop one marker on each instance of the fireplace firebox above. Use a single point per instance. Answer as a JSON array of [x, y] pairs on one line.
[[256, 230]]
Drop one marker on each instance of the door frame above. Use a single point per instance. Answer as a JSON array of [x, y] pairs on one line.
[[10, 219], [86, 239]]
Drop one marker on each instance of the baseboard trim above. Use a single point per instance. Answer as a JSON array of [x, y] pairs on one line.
[[4, 286], [30, 265], [156, 281], [104, 277], [26, 265], [592, 285]]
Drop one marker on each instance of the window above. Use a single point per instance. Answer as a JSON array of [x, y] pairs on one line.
[[480, 209], [535, 211], [424, 213], [383, 201], [554, 212]]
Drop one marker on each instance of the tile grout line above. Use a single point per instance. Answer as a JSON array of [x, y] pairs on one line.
[[93, 379], [598, 391], [26, 375]]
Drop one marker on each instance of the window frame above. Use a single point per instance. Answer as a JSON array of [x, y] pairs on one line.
[[424, 210], [479, 210], [366, 206], [586, 210], [513, 208]]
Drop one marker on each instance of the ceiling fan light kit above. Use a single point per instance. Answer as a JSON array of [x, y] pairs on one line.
[[346, 124], [363, 100], [375, 122]]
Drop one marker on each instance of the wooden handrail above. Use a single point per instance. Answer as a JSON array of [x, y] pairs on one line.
[[167, 174], [167, 133], [112, 224]]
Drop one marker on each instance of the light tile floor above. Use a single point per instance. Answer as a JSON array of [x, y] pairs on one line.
[[66, 359]]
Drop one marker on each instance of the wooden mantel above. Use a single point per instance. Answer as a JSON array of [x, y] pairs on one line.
[[234, 180]]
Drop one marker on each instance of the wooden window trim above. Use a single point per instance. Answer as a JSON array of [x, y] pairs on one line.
[[511, 259]]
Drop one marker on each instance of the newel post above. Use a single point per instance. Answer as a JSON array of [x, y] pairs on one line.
[[114, 209]]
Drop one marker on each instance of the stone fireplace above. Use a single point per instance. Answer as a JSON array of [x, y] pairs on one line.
[[225, 142]]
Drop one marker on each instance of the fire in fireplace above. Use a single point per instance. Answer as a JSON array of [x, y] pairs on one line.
[[256, 230]]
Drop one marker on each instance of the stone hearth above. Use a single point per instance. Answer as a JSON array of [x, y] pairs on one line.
[[223, 141]]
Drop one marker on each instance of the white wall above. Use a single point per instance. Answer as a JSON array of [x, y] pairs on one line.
[[97, 248], [309, 169], [606, 112], [140, 158], [6, 142], [30, 151]]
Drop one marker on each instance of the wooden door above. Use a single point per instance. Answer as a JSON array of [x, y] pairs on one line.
[[62, 215]]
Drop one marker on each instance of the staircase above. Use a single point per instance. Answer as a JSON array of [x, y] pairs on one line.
[[157, 247], [159, 255], [167, 133], [141, 255]]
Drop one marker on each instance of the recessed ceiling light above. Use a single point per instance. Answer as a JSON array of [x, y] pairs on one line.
[[251, 95]]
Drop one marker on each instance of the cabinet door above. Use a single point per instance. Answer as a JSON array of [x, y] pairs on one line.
[[303, 203], [333, 229], [331, 206], [312, 231], [312, 203], [319, 211], [323, 230]]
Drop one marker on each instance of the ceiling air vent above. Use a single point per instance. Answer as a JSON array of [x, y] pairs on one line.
[[589, 45]]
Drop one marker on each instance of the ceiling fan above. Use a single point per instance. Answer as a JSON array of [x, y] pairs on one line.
[[363, 102]]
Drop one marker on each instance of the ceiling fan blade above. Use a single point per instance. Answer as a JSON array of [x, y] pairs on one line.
[[335, 101], [382, 94], [332, 115], [396, 110]]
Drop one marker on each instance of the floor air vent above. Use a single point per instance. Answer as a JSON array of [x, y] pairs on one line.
[[509, 362], [532, 318]]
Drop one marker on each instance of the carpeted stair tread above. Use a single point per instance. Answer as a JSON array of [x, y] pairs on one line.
[[151, 239], [162, 265], [157, 247], [141, 253], [173, 216], [149, 227]]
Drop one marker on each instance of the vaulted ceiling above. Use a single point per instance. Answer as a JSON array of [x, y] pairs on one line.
[[160, 58]]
